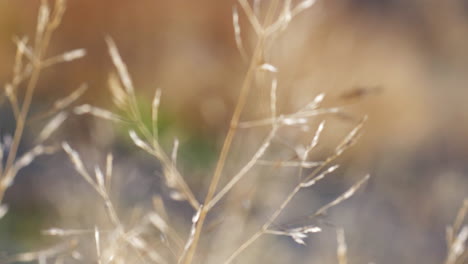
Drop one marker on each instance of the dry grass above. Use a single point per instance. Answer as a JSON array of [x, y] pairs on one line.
[[30, 61], [152, 237]]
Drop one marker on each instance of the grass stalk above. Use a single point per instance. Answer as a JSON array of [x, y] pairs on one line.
[[225, 149], [42, 42]]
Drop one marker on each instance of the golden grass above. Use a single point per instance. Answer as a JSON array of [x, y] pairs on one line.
[[153, 238]]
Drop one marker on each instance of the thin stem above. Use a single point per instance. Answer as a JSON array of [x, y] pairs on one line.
[[167, 164], [245, 245], [156, 151], [246, 85], [265, 226], [305, 114], [251, 16], [280, 209], [244, 170], [111, 210], [13, 100], [39, 50], [20, 124], [225, 150]]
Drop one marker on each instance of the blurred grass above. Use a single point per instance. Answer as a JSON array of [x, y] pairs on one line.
[[415, 141], [197, 150]]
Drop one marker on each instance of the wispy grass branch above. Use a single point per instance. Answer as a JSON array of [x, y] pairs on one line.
[[35, 56]]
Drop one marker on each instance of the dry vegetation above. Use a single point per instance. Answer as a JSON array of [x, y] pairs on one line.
[[153, 236]]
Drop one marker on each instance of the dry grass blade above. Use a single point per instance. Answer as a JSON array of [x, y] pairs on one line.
[[297, 234], [100, 179], [302, 6], [120, 66], [11, 95], [244, 246], [51, 126], [175, 149], [65, 57], [314, 104], [282, 21], [35, 255], [252, 162], [130, 99], [154, 112], [295, 164], [22, 48], [457, 236], [139, 142], [158, 206], [97, 112], [462, 213], [98, 185], [165, 228], [252, 17], [297, 118], [70, 99], [3, 210], [345, 144], [322, 175], [97, 239], [293, 121], [287, 15], [314, 142], [172, 176], [142, 249], [18, 66], [22, 162], [190, 239], [237, 33], [73, 55], [268, 67], [351, 138], [60, 104], [273, 99], [350, 192], [109, 169], [158, 222], [119, 95], [65, 232], [42, 20], [78, 164], [458, 246], [341, 249]]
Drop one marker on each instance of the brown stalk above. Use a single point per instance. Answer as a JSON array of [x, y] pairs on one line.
[[225, 150], [39, 51], [257, 58]]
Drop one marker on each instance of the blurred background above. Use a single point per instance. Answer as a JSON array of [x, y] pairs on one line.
[[401, 62]]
